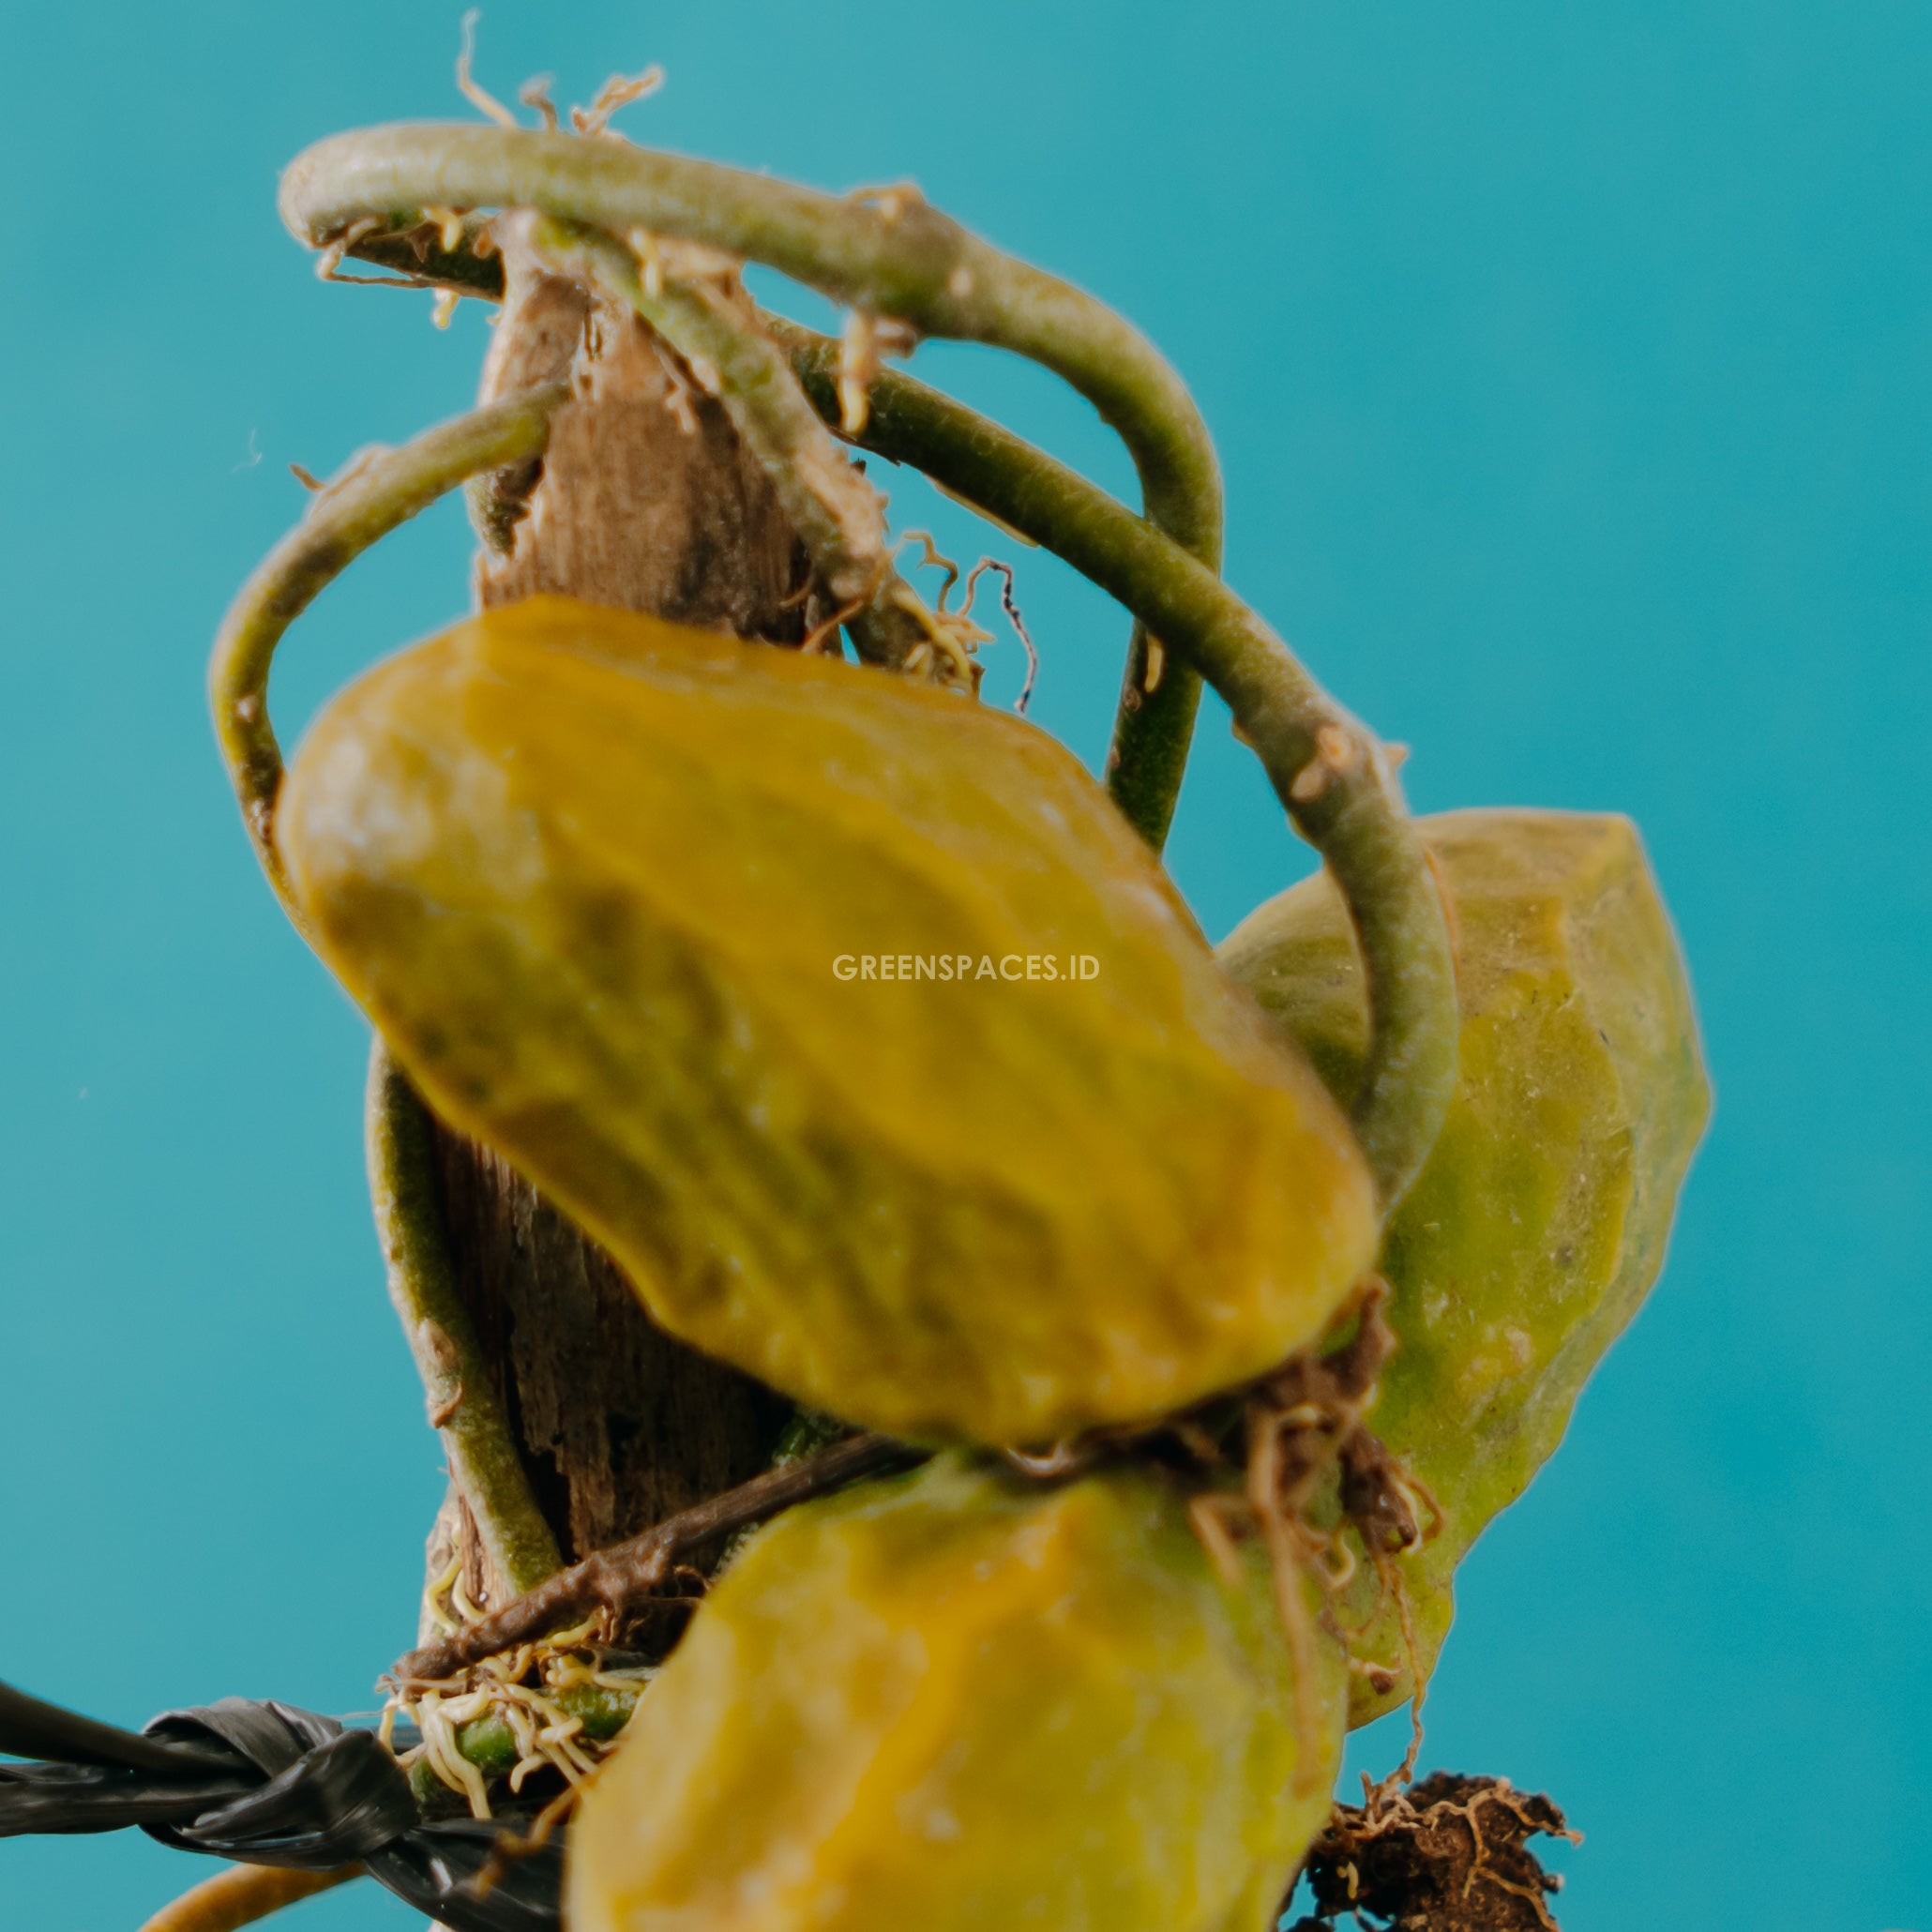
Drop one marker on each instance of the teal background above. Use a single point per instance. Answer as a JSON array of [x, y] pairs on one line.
[[1570, 370]]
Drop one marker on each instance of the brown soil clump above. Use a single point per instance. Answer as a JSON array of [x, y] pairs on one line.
[[1450, 1854]]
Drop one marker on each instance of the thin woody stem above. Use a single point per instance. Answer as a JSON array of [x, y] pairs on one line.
[[458, 1390], [629, 1571], [837, 514], [244, 1895], [1327, 768], [887, 253], [370, 498]]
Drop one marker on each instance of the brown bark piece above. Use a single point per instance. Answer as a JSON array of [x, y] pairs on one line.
[[645, 499], [621, 1425]]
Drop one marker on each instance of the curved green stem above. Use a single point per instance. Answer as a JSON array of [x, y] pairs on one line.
[[463, 1401], [370, 499], [1329, 771], [372, 496], [887, 253]]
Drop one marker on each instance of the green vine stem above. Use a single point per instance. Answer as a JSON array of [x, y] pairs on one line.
[[885, 254], [1330, 772], [838, 515], [377, 491], [463, 1403]]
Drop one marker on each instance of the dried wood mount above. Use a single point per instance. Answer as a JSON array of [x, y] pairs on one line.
[[645, 499]]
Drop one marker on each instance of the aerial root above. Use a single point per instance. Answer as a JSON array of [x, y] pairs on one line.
[[1009, 604], [1405, 1611], [627, 1576], [480, 98], [822, 633], [932, 557], [858, 364], [519, 1687], [619, 91], [535, 93], [1302, 1429], [864, 342], [243, 1895], [511, 1848]]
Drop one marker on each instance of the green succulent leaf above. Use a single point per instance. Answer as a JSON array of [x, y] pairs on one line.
[[960, 1700], [1539, 1222]]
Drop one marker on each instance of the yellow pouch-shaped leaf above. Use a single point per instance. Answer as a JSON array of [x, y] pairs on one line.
[[621, 898], [959, 1703], [1540, 1221]]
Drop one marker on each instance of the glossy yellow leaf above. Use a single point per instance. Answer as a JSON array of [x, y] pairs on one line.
[[959, 1702], [598, 880]]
